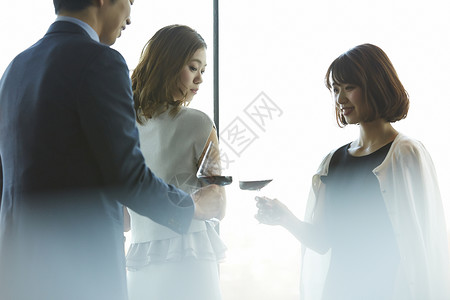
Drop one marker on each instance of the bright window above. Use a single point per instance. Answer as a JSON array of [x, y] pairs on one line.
[[274, 55]]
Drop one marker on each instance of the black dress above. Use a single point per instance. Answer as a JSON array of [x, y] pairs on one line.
[[364, 257]]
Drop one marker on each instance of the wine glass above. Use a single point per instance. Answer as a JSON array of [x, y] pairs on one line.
[[253, 185], [210, 170]]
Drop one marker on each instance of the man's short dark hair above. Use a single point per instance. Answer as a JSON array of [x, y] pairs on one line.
[[72, 5]]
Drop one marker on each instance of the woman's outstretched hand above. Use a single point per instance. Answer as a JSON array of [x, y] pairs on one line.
[[271, 211]]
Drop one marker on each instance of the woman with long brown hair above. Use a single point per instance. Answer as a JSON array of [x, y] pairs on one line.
[[163, 264]]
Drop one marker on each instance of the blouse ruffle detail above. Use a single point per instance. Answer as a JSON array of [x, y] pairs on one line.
[[201, 245]]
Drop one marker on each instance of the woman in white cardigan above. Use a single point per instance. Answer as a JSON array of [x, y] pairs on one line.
[[374, 226]]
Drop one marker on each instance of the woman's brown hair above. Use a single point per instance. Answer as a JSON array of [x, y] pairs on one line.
[[155, 78], [368, 67]]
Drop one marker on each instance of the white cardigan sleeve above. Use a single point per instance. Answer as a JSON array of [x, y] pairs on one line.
[[409, 186], [314, 267]]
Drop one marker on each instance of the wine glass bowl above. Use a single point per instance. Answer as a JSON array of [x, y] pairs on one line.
[[209, 171], [253, 185], [216, 179]]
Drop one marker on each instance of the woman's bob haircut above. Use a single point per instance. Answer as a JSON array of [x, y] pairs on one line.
[[368, 67]]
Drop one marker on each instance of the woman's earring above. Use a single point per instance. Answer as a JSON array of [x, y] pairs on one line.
[[141, 115]]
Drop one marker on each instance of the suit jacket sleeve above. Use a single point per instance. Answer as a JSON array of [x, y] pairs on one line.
[[107, 117], [1, 182]]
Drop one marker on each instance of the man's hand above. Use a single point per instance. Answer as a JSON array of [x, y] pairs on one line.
[[207, 202]]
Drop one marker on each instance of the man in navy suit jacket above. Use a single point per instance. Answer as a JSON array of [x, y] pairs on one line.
[[70, 160]]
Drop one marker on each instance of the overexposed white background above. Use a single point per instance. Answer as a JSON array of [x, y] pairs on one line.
[[283, 49]]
